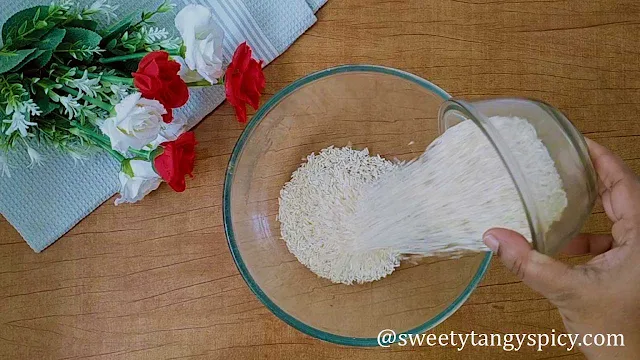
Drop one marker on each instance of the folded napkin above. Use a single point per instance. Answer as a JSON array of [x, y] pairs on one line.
[[45, 202]]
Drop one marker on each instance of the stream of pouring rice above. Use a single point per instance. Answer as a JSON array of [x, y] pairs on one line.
[[351, 217]]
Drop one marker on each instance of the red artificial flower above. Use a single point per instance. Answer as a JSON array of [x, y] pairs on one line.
[[244, 81], [157, 78], [176, 160]]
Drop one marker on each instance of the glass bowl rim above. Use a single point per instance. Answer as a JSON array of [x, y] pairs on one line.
[[228, 225]]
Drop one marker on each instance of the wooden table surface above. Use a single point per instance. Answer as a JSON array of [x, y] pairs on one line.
[[156, 280]]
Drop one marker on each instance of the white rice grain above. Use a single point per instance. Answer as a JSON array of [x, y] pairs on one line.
[[315, 207]]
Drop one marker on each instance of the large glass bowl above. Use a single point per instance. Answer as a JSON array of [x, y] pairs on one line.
[[394, 114]]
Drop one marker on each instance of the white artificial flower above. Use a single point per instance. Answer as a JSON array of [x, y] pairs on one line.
[[31, 107], [71, 105], [77, 154], [152, 34], [166, 6], [171, 43], [85, 85], [120, 91], [4, 167], [65, 4], [101, 7], [202, 38], [137, 122], [88, 112], [144, 180], [187, 75], [23, 107], [169, 132], [34, 156], [18, 123]]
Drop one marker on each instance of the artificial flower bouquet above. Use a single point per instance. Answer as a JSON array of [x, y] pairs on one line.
[[69, 82]]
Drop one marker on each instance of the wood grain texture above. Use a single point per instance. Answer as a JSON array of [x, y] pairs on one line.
[[156, 280]]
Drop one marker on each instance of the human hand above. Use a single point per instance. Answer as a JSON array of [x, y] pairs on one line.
[[603, 295]]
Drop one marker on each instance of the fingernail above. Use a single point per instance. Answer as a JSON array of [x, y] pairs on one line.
[[491, 242]]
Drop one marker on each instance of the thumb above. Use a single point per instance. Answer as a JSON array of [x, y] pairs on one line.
[[548, 276]]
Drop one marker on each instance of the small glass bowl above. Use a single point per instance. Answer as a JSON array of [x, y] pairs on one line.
[[566, 147]]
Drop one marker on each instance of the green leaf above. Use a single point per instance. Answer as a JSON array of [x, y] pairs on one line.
[[126, 168], [85, 24], [36, 16], [52, 40], [80, 37], [130, 66], [75, 131], [23, 28], [9, 60], [46, 46], [44, 103], [112, 44], [40, 56], [43, 59], [118, 28], [53, 96], [41, 25], [29, 58], [19, 19], [131, 48], [79, 44]]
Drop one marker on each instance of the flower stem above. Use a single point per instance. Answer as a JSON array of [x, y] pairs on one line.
[[112, 78], [200, 83], [94, 101], [98, 140], [109, 78], [107, 60], [89, 132], [112, 152], [134, 56], [144, 154]]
